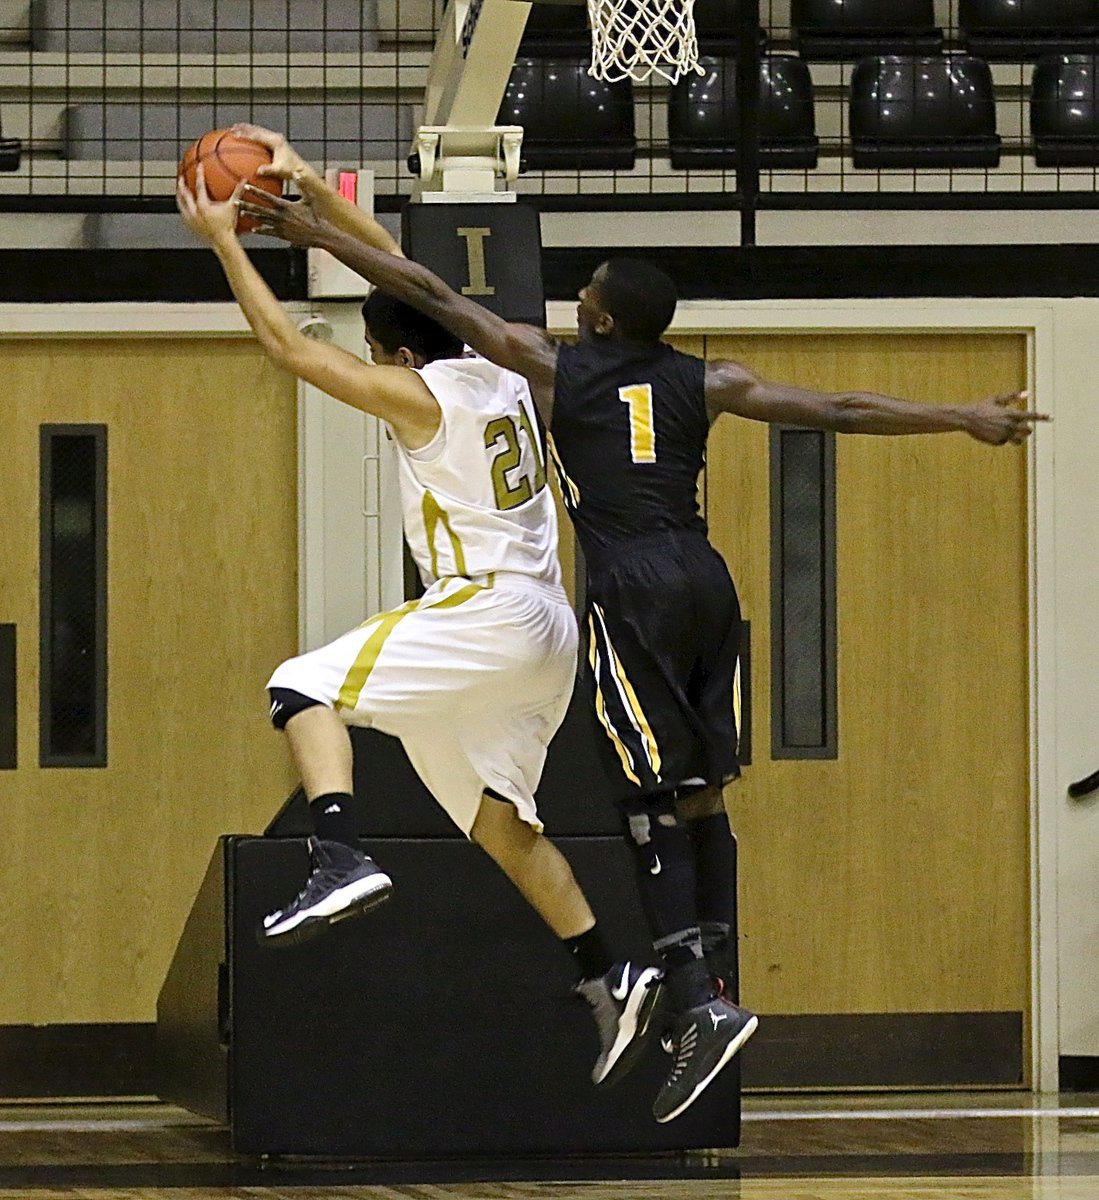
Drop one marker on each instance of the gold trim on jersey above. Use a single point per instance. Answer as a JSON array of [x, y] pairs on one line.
[[629, 698], [737, 701], [570, 490], [623, 750], [365, 661], [433, 513]]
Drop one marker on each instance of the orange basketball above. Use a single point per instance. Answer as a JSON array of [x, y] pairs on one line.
[[226, 160]]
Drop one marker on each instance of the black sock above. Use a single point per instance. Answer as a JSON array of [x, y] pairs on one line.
[[715, 889], [590, 952], [335, 819], [689, 984]]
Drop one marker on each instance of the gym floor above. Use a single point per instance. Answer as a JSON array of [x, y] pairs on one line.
[[973, 1146]]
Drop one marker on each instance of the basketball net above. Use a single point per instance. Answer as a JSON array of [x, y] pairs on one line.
[[633, 39]]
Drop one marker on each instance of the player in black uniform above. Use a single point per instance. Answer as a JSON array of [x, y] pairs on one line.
[[628, 418]]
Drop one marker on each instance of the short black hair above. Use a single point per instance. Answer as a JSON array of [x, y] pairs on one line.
[[640, 297], [394, 324]]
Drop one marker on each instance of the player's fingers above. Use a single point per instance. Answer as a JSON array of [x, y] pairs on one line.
[[266, 198], [257, 133], [202, 196], [255, 210], [1011, 398], [184, 199], [1034, 416]]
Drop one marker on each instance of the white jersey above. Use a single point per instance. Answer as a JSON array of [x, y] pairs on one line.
[[474, 499]]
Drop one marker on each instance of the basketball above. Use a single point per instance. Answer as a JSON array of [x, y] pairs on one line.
[[226, 160]]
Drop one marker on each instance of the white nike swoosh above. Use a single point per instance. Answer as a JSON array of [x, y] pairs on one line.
[[622, 988], [656, 868]]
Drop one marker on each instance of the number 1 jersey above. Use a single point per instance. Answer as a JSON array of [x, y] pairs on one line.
[[628, 436]]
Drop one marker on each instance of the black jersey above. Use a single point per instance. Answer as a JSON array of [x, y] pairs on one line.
[[629, 436]]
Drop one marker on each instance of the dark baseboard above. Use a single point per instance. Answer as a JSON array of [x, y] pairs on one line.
[[823, 1051], [701, 272], [885, 1050], [39, 1061]]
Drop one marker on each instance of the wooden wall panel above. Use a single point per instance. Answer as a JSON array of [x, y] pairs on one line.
[[202, 577], [896, 877]]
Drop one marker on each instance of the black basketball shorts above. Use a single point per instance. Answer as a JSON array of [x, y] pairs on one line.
[[661, 645]]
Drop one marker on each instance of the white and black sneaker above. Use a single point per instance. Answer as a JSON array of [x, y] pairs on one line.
[[705, 1039], [343, 882], [623, 1003]]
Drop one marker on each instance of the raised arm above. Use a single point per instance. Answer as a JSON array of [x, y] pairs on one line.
[[732, 388], [287, 164], [394, 394]]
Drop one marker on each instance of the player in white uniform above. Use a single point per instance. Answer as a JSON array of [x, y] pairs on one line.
[[473, 677]]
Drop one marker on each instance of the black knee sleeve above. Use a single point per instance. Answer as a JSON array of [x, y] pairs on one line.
[[286, 703], [664, 859]]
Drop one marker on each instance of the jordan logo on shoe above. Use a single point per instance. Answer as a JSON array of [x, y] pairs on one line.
[[717, 1018], [622, 988]]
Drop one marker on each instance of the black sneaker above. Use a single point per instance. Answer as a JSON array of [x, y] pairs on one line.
[[706, 1038], [343, 882], [623, 1002], [667, 1036]]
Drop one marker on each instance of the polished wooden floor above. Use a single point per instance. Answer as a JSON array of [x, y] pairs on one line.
[[988, 1146]]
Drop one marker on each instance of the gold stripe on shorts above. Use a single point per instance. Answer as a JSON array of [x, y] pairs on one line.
[[601, 711], [365, 660], [641, 722]]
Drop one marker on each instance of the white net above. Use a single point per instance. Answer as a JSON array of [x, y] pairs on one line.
[[633, 39]]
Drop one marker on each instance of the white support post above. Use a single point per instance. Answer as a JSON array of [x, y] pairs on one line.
[[461, 150]]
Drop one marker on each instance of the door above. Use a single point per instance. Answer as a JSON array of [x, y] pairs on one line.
[[200, 587], [884, 892]]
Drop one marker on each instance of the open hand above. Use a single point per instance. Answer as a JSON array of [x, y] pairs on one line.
[[1002, 419], [211, 220], [295, 221], [286, 162]]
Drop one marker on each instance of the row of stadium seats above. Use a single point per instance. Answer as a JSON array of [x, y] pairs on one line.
[[845, 30], [932, 111]]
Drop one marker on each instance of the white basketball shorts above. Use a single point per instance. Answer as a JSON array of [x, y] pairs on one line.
[[474, 678]]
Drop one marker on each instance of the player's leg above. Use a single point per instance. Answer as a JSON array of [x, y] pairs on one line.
[[701, 810], [623, 996], [644, 633], [343, 882], [477, 735]]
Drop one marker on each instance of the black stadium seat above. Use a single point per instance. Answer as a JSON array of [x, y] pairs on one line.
[[703, 120], [1017, 30], [556, 29], [923, 112], [716, 23], [570, 121], [834, 30], [1064, 116]]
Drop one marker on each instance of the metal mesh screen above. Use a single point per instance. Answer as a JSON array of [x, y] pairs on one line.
[[104, 96]]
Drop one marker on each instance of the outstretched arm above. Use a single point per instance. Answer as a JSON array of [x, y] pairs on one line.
[[734, 389], [526, 349], [394, 394]]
